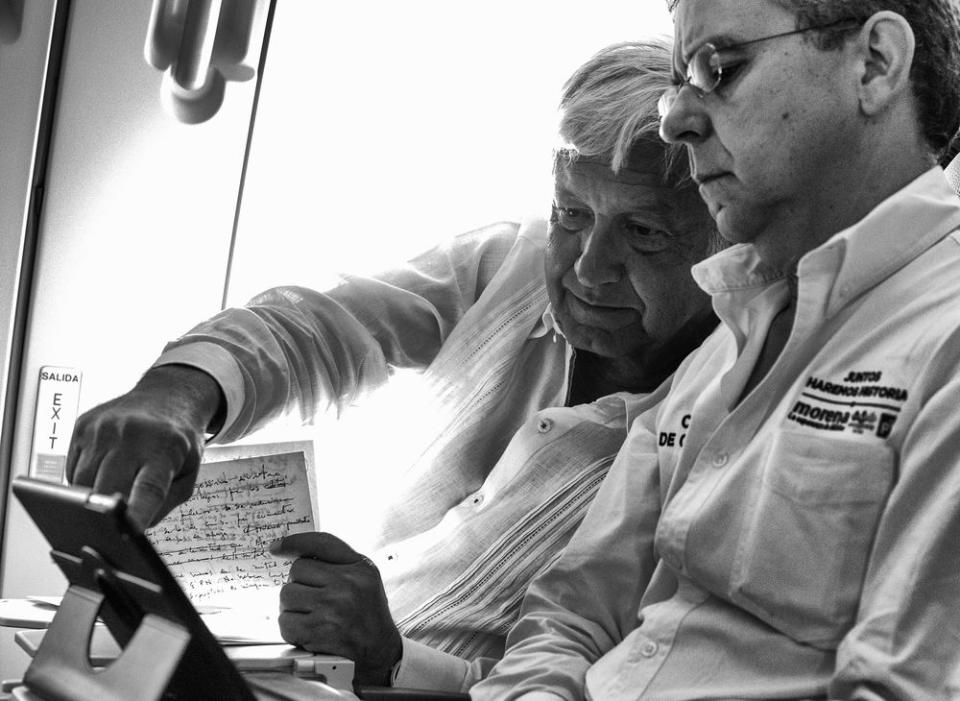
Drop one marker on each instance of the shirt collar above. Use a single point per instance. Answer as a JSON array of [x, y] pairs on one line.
[[895, 232], [741, 286], [548, 323]]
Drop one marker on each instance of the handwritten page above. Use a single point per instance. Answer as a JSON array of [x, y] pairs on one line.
[[216, 542]]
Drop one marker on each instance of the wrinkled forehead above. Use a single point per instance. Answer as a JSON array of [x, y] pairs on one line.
[[725, 23], [645, 164], [643, 174]]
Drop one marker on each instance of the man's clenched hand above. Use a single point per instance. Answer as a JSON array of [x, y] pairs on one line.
[[334, 603], [147, 443]]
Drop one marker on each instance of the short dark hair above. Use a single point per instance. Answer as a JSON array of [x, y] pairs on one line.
[[609, 105], [936, 64]]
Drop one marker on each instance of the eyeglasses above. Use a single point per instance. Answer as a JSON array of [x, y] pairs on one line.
[[705, 70]]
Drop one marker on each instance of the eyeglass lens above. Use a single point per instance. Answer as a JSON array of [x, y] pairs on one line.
[[703, 73]]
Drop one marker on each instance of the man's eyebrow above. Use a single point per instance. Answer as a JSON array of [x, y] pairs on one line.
[[719, 41], [724, 41]]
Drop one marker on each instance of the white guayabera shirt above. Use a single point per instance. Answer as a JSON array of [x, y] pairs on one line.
[[477, 516]]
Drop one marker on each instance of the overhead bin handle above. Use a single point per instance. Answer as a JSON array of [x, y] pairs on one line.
[[200, 45], [192, 68]]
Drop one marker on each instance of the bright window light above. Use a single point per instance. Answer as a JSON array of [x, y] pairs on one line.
[[384, 127]]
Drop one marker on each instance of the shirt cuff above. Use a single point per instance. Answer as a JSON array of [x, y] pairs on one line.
[[220, 365], [423, 667]]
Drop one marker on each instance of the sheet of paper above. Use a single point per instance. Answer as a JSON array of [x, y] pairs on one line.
[[216, 542]]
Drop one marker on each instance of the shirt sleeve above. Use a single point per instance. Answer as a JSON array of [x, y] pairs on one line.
[[424, 667], [905, 643], [296, 348], [587, 602]]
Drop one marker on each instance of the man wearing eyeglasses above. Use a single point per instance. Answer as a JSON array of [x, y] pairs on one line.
[[786, 524]]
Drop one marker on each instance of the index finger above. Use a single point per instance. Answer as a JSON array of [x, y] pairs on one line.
[[143, 484], [74, 457], [148, 495]]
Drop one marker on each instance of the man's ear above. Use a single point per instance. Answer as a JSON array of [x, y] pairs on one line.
[[887, 44]]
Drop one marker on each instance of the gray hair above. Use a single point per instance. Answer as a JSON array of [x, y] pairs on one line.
[[609, 105]]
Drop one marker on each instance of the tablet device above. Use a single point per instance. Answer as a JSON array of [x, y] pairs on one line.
[[97, 548]]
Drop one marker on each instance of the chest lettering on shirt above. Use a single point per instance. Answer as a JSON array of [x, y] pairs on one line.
[[670, 439], [859, 403]]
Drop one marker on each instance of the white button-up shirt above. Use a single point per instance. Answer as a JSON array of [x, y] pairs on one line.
[[804, 542]]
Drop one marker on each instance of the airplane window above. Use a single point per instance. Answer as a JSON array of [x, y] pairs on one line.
[[384, 128]]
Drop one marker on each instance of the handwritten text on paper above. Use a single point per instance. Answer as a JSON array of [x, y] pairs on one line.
[[216, 542]]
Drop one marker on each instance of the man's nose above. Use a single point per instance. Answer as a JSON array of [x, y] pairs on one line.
[[686, 121], [600, 260]]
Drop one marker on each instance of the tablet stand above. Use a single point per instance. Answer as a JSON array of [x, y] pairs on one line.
[[152, 663], [61, 669]]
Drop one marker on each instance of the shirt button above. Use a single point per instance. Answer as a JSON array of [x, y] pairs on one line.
[[649, 649], [477, 499], [544, 425], [720, 459]]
